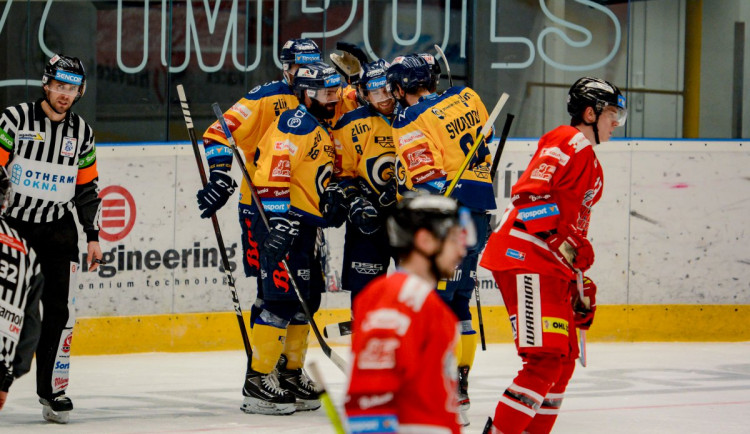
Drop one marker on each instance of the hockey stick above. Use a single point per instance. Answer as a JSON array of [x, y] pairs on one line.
[[215, 222], [335, 358], [581, 333], [447, 66], [337, 330], [479, 316], [325, 399], [501, 146]]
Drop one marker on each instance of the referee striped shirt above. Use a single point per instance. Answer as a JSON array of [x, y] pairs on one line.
[[52, 166], [20, 289]]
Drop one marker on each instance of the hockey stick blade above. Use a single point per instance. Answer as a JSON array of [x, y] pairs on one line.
[[477, 141], [335, 358], [338, 330], [487, 426], [447, 65], [215, 222]]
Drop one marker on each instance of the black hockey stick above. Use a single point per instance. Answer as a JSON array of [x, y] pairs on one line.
[[501, 146], [335, 358], [479, 315], [215, 222], [447, 66]]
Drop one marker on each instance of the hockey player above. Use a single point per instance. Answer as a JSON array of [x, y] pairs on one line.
[[46, 139], [366, 185], [248, 119], [541, 241], [433, 136], [294, 165], [403, 376], [21, 324]]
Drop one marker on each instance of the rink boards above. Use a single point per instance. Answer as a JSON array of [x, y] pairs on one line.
[[669, 233]]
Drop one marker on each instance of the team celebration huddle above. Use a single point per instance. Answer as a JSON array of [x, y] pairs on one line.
[[372, 146]]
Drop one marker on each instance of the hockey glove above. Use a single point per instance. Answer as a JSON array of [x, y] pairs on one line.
[[333, 205], [584, 309], [280, 238], [352, 49], [364, 216], [569, 243], [388, 197], [216, 193]]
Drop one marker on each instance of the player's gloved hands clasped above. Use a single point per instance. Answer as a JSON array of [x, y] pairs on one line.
[[333, 205], [584, 309], [573, 246], [280, 238], [216, 193], [364, 216]]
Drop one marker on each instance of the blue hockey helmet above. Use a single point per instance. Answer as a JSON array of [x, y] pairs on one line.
[[300, 52], [410, 72]]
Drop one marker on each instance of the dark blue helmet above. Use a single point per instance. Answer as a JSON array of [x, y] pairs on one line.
[[66, 70], [317, 75], [410, 72], [299, 51], [373, 75], [435, 69]]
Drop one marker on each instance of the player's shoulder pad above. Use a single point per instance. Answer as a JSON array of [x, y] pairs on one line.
[[358, 113], [297, 121], [270, 89], [410, 114]]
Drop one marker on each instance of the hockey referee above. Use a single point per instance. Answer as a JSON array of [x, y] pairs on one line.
[[50, 156], [20, 320]]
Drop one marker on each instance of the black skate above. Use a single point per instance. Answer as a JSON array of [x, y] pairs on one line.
[[56, 409], [264, 395], [463, 395], [300, 385]]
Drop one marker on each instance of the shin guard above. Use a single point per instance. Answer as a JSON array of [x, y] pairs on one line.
[[295, 348]]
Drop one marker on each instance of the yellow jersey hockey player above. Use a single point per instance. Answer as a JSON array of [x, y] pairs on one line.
[[294, 166], [433, 135], [248, 119], [366, 182]]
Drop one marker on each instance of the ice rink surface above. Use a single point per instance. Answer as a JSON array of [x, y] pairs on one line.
[[627, 388]]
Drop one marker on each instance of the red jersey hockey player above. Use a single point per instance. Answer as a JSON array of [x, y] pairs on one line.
[[549, 211], [403, 373]]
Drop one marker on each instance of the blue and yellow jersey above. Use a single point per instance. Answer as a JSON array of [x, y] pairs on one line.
[[364, 148], [248, 119], [294, 166], [433, 138]]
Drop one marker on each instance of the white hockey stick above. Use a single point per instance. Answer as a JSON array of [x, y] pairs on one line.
[[581, 333], [447, 65]]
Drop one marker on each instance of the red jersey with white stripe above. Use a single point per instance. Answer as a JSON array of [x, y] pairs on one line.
[[559, 187], [403, 362]]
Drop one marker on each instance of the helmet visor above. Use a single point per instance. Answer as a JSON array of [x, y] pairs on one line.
[[64, 88], [379, 95], [324, 96]]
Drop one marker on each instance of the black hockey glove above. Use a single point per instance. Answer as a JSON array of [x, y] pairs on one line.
[[364, 216], [388, 197], [280, 238], [216, 193], [353, 50], [333, 205]]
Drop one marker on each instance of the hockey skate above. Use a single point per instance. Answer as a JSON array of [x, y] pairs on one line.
[[464, 403], [463, 395], [264, 395], [300, 385], [56, 409]]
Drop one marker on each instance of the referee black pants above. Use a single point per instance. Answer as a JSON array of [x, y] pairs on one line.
[[56, 246]]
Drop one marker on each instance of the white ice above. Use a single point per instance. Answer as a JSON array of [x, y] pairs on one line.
[[627, 388]]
